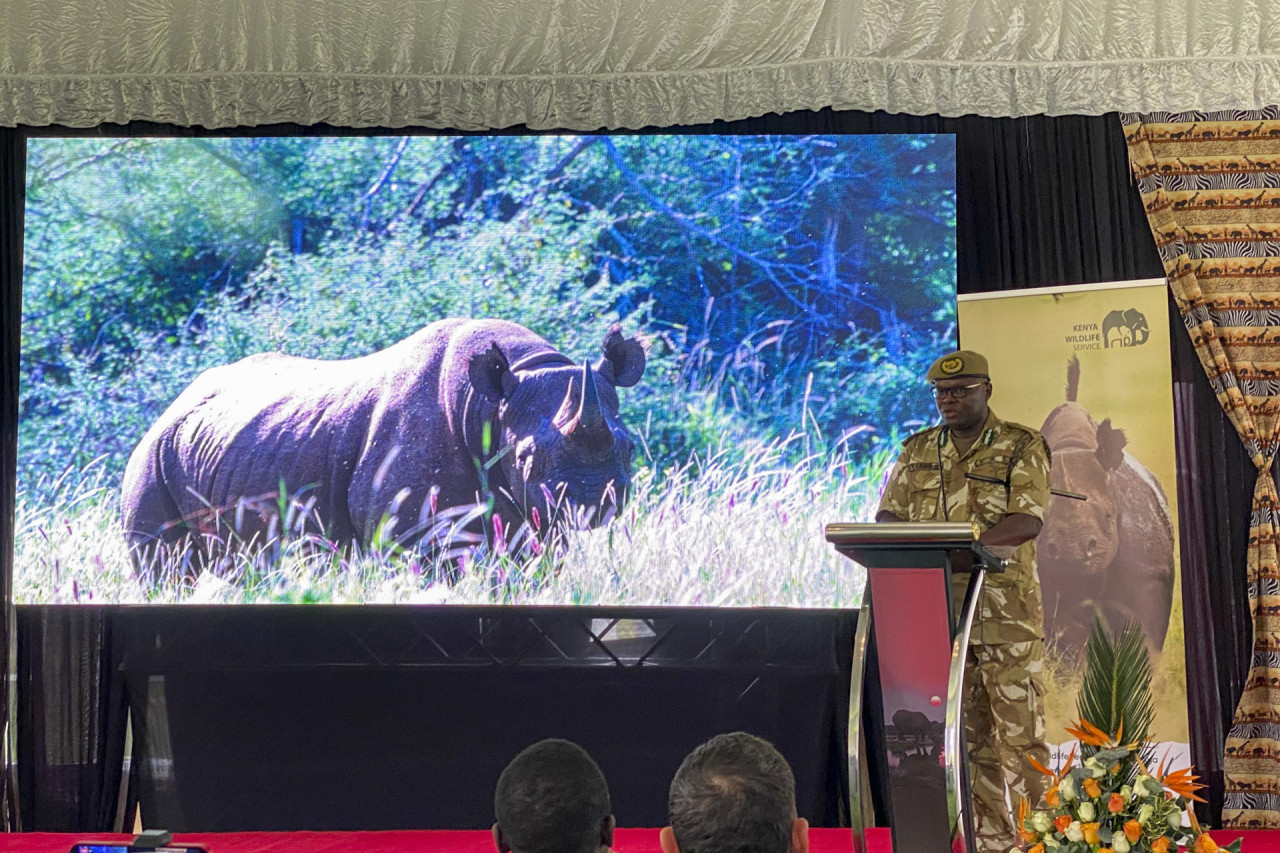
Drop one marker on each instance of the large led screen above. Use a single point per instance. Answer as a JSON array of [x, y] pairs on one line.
[[632, 369]]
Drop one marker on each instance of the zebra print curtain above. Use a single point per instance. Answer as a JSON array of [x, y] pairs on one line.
[[1210, 183]]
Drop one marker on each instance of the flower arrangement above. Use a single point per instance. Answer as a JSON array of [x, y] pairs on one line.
[[1110, 801], [1093, 808]]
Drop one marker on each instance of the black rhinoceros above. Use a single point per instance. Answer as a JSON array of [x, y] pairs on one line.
[[1110, 556], [384, 444]]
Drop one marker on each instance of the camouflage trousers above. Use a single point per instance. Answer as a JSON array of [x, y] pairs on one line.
[[1004, 724]]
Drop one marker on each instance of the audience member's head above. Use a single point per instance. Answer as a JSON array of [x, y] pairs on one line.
[[734, 794], [552, 798]]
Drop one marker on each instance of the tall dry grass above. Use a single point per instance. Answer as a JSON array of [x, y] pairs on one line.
[[738, 526]]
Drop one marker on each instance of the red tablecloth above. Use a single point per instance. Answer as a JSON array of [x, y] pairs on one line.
[[472, 841]]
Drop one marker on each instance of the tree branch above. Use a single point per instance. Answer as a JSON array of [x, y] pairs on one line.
[[768, 268], [88, 161]]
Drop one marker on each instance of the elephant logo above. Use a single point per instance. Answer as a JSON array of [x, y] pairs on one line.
[[1126, 328]]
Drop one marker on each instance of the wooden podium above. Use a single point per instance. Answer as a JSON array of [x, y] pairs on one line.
[[918, 638]]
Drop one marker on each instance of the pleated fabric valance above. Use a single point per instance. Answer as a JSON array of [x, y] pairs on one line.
[[591, 64]]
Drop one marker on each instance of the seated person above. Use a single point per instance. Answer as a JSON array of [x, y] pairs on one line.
[[552, 798], [734, 794]]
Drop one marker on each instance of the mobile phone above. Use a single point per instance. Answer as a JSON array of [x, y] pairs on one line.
[[132, 848]]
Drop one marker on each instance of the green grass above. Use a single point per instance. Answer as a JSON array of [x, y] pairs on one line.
[[745, 530]]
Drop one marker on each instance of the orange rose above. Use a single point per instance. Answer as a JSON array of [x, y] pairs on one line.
[[1061, 822], [1205, 844], [1028, 836], [1160, 845], [1090, 832], [1039, 848], [1051, 798], [1092, 788], [1132, 831], [1115, 805]]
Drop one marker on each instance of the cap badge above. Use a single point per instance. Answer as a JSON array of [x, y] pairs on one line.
[[951, 366]]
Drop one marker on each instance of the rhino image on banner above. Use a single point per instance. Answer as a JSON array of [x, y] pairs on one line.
[[1089, 367]]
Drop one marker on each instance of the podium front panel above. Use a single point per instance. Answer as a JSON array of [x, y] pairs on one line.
[[913, 638]]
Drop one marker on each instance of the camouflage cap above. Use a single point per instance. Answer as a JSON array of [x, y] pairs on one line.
[[959, 363]]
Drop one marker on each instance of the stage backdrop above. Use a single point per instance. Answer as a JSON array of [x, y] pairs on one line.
[[1089, 367]]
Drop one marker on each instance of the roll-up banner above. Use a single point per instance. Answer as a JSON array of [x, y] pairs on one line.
[[1089, 367]]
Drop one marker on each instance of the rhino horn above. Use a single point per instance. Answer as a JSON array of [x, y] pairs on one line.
[[590, 417], [588, 425], [567, 415]]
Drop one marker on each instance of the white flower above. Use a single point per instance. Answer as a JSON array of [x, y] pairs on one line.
[[1074, 832], [1144, 813], [1086, 811], [1051, 842], [1126, 793], [1119, 843], [1175, 820], [1095, 767], [1067, 788], [1041, 821]]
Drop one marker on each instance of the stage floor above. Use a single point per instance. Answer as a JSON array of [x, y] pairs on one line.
[[473, 841]]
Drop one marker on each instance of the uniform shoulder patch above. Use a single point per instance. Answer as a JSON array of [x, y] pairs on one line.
[[1031, 431], [922, 435], [1025, 435]]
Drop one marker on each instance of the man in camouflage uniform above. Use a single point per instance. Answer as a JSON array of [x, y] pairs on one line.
[[976, 467]]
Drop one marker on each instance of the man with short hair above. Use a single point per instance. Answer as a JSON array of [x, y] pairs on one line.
[[552, 798], [734, 794], [975, 467]]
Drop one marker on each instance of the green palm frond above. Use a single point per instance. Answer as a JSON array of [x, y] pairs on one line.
[[1117, 689]]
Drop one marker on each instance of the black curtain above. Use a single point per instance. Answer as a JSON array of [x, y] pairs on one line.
[[12, 149], [1041, 201], [1214, 502], [71, 719]]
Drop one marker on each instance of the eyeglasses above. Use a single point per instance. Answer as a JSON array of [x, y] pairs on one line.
[[957, 392]]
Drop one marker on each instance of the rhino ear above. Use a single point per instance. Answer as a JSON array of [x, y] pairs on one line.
[[624, 358], [1111, 442], [491, 375]]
